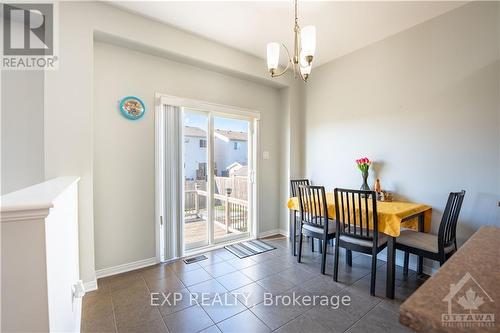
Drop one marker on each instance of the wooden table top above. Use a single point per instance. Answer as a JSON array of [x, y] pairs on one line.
[[464, 294]]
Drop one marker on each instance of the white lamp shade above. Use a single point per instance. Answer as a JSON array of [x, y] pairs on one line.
[[308, 40], [273, 55], [305, 70]]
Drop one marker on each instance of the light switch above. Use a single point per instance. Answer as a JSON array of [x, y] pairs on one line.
[[265, 155]]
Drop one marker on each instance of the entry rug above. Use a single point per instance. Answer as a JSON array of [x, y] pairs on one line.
[[250, 248]]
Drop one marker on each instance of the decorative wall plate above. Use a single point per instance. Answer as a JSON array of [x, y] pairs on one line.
[[132, 107]]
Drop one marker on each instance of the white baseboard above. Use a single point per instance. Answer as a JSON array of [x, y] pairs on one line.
[[90, 286], [125, 267], [271, 233]]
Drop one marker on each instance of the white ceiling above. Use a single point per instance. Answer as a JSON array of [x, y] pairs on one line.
[[342, 27]]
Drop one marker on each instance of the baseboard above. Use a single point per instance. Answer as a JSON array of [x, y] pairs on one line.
[[90, 286], [125, 267], [271, 233]]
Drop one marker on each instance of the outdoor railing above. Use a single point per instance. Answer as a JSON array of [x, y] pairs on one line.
[[228, 211]]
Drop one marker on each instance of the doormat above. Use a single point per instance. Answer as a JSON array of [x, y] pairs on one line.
[[194, 259], [249, 248]]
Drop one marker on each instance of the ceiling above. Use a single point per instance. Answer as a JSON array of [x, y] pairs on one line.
[[342, 27]]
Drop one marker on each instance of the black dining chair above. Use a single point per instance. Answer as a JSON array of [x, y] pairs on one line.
[[295, 215], [435, 247], [314, 221], [357, 227]]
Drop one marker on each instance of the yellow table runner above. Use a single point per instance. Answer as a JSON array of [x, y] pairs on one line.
[[390, 214]]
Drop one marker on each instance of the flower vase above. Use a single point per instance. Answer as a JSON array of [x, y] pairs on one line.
[[365, 186]]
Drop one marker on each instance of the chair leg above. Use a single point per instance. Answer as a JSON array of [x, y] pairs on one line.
[[349, 257], [406, 262], [323, 257], [320, 246], [374, 274], [420, 267], [312, 244], [300, 246], [336, 261]]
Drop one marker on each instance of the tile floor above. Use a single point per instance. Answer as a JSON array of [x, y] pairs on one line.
[[123, 302]]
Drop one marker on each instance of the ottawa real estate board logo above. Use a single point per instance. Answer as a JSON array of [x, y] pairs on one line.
[[29, 33], [469, 305]]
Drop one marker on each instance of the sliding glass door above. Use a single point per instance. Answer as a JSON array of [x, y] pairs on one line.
[[218, 174], [195, 182]]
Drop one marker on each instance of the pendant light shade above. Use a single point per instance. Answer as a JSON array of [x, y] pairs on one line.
[[308, 41], [273, 55], [302, 55]]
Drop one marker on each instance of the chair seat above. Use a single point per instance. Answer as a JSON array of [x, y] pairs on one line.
[[319, 229], [421, 240], [382, 239]]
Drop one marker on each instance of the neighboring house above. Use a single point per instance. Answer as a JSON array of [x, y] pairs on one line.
[[237, 169], [230, 147]]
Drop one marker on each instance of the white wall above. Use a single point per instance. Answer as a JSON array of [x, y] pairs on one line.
[[124, 150], [424, 104], [69, 97], [22, 160]]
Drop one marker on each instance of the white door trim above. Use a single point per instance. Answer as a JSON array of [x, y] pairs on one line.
[[168, 204]]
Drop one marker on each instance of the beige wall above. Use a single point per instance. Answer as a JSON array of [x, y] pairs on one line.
[[424, 104], [22, 129], [69, 98], [124, 160]]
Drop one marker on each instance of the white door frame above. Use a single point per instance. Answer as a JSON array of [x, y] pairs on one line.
[[167, 222]]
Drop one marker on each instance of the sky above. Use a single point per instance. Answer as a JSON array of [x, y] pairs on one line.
[[201, 121]]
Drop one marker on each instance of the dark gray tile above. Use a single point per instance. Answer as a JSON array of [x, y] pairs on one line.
[[241, 263], [257, 272], [219, 269], [234, 280], [152, 326], [211, 329], [244, 322], [171, 302], [338, 317], [322, 285], [180, 266], [211, 259], [379, 320], [135, 316], [196, 276], [275, 284], [222, 307], [157, 272], [192, 319], [208, 289], [297, 275], [169, 283], [250, 295], [302, 324], [137, 294], [224, 254], [121, 281], [274, 316]]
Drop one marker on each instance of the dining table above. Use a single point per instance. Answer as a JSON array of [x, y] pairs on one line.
[[392, 216]]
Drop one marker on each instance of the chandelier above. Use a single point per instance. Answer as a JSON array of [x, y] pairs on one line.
[[303, 52]]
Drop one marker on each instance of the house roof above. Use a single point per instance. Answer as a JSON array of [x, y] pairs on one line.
[[231, 135], [194, 131]]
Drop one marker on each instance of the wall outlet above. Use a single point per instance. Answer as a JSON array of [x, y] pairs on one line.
[[265, 155]]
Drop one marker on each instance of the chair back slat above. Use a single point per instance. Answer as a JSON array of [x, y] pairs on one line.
[[294, 186], [448, 228], [313, 206], [352, 217]]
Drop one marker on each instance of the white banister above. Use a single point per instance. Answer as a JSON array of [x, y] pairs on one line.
[[40, 259]]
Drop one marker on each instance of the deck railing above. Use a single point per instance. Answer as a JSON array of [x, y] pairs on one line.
[[228, 211]]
